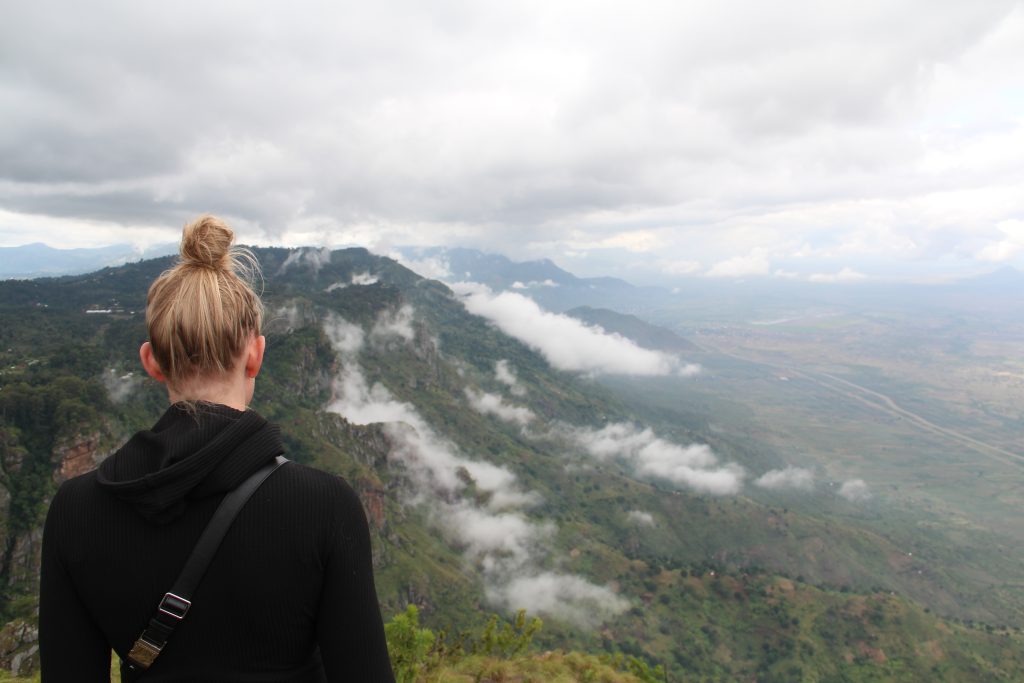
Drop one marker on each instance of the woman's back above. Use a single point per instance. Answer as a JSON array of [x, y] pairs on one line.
[[290, 586]]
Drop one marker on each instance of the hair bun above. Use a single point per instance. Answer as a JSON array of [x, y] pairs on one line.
[[206, 242]]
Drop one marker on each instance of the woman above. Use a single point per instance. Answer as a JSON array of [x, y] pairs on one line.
[[289, 595]]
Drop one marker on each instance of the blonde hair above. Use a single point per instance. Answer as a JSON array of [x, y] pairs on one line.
[[201, 312]]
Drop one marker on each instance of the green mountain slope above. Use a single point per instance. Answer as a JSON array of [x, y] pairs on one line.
[[467, 450]]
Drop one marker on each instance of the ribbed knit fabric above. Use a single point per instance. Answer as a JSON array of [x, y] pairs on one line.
[[291, 585]]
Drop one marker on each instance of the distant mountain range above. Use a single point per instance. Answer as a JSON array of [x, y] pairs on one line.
[[998, 292], [37, 260], [554, 288]]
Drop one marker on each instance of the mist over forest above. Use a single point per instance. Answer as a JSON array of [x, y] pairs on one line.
[[823, 475]]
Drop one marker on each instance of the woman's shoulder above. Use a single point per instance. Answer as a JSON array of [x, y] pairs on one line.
[[314, 485], [74, 489]]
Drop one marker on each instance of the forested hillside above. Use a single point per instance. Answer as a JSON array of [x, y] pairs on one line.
[[493, 482]]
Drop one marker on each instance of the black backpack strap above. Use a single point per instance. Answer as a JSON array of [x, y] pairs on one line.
[[176, 602]]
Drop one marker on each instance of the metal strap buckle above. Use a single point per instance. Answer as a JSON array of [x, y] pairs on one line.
[[143, 653], [174, 605]]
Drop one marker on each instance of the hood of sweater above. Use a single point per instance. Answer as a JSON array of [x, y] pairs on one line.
[[188, 454]]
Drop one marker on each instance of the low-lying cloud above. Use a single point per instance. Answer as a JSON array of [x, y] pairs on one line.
[[640, 518], [572, 597], [506, 374], [493, 404], [787, 478], [478, 505], [310, 256], [431, 267], [395, 323], [855, 491], [120, 387], [694, 466], [565, 342], [358, 279], [534, 283]]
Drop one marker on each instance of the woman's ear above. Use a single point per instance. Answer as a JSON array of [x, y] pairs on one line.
[[149, 363], [254, 356]]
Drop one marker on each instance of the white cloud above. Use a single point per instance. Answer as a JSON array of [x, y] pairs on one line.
[[120, 386], [346, 338], [693, 466], [565, 596], [431, 267], [290, 314], [640, 518], [311, 257], [787, 478], [431, 459], [855, 490], [395, 323], [1011, 244], [741, 266], [680, 267], [565, 342], [493, 404], [844, 275], [534, 283], [678, 132], [505, 373], [502, 542], [359, 279], [364, 279], [496, 535]]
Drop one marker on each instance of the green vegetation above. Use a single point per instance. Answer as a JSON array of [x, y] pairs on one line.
[[499, 653], [709, 583]]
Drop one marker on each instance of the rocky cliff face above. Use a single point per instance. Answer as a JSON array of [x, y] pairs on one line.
[[19, 647], [80, 455]]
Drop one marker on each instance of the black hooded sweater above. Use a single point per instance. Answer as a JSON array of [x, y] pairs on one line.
[[289, 596]]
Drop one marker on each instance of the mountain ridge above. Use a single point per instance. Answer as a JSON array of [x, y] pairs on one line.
[[384, 377]]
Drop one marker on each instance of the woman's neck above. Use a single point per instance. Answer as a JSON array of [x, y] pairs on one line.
[[233, 390]]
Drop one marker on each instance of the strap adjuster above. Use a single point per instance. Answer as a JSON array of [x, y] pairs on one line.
[[174, 605], [143, 654]]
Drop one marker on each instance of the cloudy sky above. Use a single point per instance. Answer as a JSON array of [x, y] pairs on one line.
[[828, 140]]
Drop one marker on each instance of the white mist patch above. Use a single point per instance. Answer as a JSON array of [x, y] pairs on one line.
[[310, 256], [640, 518], [565, 342], [364, 279], [431, 267], [358, 279], [120, 386], [855, 491], [534, 283], [493, 404], [504, 543], [493, 532], [504, 373], [570, 597], [396, 323], [289, 314], [694, 466], [786, 478], [346, 338]]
